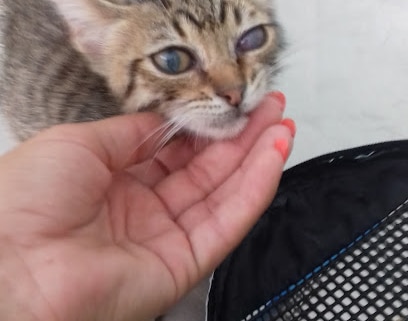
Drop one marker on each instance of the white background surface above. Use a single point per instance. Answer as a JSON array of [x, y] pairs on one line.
[[346, 81], [346, 76]]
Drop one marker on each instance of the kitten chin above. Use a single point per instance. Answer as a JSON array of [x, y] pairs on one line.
[[222, 130]]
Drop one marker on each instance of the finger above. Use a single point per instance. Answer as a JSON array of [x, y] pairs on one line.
[[269, 112], [218, 161], [218, 224], [118, 141]]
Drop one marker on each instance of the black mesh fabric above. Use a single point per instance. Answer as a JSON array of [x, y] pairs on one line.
[[366, 281], [333, 245]]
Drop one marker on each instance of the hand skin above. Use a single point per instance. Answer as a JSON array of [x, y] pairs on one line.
[[91, 228]]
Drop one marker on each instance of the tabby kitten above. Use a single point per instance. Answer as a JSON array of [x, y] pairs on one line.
[[202, 64]]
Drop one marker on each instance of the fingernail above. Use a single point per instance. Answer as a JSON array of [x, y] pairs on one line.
[[290, 123], [279, 96], [282, 145]]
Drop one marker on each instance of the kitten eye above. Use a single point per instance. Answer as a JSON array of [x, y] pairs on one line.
[[253, 39], [173, 61]]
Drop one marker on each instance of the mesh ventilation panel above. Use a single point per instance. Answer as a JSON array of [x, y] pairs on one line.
[[367, 281]]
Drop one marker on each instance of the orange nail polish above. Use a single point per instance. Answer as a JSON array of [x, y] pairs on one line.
[[282, 146], [280, 96], [289, 123]]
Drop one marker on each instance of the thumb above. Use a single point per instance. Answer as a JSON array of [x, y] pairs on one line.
[[118, 141]]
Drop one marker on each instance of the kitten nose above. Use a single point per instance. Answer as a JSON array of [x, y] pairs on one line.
[[233, 96]]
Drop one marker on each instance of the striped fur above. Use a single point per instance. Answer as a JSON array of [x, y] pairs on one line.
[[83, 60]]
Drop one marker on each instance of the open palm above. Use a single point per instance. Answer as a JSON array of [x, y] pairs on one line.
[[110, 231]]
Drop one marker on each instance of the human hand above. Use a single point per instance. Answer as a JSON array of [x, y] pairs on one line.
[[93, 228]]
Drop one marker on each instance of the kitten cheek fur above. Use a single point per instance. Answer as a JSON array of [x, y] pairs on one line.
[[106, 36]]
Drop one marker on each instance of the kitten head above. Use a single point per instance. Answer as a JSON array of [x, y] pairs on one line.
[[203, 64]]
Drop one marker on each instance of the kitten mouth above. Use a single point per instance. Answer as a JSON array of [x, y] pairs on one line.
[[216, 125]]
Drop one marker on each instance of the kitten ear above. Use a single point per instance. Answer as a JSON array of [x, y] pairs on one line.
[[91, 23]]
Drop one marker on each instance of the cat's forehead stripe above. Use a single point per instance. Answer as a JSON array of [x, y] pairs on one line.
[[178, 28], [223, 11], [202, 19], [190, 17], [166, 4], [237, 16]]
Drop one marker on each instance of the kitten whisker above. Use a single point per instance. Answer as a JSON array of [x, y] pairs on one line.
[[164, 6], [173, 129], [164, 132], [174, 126], [197, 139], [160, 130], [196, 142]]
